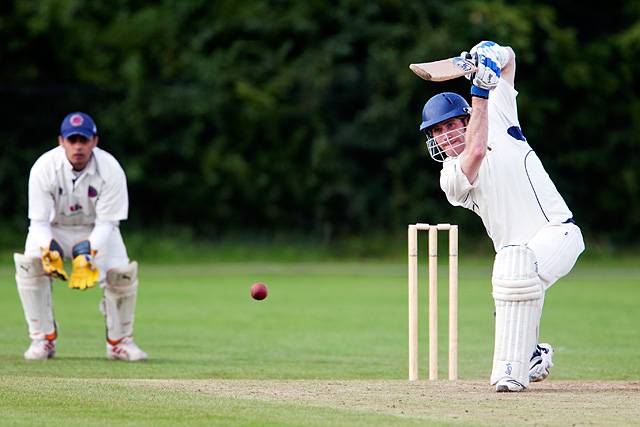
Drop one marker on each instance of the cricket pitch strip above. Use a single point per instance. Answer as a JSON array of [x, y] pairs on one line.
[[447, 402]]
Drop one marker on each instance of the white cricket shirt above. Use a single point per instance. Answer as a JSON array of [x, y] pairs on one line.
[[56, 195], [513, 194]]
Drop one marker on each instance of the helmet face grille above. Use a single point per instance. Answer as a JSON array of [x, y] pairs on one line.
[[449, 144]]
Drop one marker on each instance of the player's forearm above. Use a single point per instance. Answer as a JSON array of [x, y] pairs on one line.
[[101, 234], [476, 139], [40, 232]]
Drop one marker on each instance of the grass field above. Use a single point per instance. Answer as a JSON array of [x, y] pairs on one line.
[[327, 347]]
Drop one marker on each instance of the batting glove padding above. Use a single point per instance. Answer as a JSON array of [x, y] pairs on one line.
[[488, 74], [84, 274], [489, 57], [497, 53], [469, 57], [52, 261]]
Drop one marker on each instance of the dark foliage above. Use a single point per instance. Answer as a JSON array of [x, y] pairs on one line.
[[303, 115]]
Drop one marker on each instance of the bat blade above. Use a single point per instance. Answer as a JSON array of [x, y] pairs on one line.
[[444, 69]]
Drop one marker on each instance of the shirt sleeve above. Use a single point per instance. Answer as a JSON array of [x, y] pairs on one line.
[[455, 184], [502, 104], [113, 204], [41, 197], [101, 233], [40, 233]]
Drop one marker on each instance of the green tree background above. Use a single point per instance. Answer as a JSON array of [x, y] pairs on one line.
[[302, 116]]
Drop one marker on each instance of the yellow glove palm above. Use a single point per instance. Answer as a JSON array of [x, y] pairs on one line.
[[52, 262], [84, 274]]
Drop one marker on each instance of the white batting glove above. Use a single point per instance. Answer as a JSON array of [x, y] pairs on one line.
[[473, 58], [491, 49], [488, 74], [489, 57], [497, 53]]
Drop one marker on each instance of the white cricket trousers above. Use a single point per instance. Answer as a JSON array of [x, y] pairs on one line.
[[557, 247]]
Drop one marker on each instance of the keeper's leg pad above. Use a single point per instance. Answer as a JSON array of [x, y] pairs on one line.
[[119, 301], [518, 293], [34, 288]]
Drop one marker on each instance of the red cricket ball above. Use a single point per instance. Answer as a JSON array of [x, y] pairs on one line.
[[259, 291]]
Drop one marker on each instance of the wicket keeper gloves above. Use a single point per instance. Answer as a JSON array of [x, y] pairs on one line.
[[52, 261], [84, 274]]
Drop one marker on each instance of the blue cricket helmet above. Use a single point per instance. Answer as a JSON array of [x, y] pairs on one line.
[[441, 107]]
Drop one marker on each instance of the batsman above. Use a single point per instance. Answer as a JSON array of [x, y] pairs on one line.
[[489, 168], [77, 198]]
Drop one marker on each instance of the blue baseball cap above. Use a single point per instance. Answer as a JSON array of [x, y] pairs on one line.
[[78, 124]]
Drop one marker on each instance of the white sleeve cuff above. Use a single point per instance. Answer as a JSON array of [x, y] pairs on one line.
[[455, 184]]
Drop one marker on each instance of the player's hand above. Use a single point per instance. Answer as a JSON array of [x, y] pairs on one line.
[[52, 261], [84, 274], [489, 57], [493, 50], [471, 58], [488, 74], [497, 53]]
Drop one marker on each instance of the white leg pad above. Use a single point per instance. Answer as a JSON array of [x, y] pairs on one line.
[[518, 293], [119, 301], [34, 288]]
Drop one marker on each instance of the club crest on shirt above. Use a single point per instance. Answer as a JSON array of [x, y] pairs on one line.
[[92, 192]]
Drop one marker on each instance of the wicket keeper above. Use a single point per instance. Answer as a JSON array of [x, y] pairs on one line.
[[77, 198], [489, 168]]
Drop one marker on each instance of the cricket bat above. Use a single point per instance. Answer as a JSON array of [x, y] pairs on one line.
[[445, 69]]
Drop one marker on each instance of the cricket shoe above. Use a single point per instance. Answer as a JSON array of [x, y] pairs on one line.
[[125, 349], [41, 349], [508, 384], [541, 362]]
